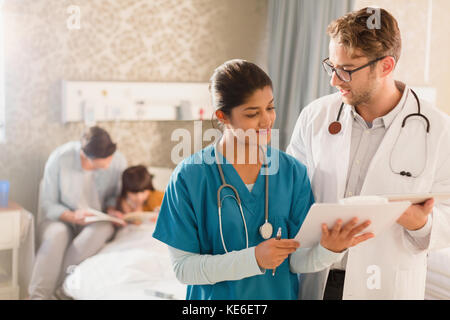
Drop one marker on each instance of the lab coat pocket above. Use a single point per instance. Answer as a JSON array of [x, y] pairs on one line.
[[404, 184], [410, 284]]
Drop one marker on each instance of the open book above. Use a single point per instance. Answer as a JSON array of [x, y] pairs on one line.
[[129, 217]]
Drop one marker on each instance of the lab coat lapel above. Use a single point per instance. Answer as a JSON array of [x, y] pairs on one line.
[[333, 160], [343, 153]]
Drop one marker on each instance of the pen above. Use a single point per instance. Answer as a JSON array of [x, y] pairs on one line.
[[277, 238]]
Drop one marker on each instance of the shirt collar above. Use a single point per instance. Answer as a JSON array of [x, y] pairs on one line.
[[389, 117]]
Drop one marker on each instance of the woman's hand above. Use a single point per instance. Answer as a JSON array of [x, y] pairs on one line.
[[340, 238], [271, 253]]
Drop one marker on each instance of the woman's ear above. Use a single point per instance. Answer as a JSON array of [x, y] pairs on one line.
[[221, 117]]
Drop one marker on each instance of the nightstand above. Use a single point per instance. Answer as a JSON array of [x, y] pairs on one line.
[[10, 241]]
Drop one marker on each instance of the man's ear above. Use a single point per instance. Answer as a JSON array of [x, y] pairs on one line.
[[387, 66]]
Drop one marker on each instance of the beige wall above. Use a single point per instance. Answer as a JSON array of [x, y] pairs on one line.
[[412, 19], [140, 40]]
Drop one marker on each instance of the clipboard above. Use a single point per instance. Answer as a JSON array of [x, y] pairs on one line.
[[382, 214], [416, 198]]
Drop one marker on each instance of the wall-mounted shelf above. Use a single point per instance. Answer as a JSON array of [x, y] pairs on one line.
[[92, 101]]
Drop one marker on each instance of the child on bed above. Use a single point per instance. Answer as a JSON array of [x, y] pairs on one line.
[[138, 193]]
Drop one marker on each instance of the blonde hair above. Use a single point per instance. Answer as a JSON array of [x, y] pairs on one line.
[[355, 32]]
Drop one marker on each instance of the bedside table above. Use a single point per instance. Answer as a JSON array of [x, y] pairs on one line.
[[10, 240], [16, 251]]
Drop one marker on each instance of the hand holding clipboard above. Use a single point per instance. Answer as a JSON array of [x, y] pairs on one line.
[[328, 213]]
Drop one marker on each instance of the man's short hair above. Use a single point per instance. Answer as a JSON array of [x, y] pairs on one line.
[[356, 31], [97, 144]]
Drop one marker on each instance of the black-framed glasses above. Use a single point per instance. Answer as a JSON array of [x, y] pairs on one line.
[[345, 75]]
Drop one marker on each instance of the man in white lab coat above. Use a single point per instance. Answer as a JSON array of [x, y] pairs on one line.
[[363, 141]]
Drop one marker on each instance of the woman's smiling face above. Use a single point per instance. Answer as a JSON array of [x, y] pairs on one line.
[[252, 121]]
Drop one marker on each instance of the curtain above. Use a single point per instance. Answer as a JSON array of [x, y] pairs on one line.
[[297, 45]]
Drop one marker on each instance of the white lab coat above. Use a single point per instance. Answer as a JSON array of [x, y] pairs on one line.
[[396, 258]]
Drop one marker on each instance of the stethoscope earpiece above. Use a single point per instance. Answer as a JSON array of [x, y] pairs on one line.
[[406, 173]]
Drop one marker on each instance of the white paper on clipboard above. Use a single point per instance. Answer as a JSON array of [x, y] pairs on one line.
[[382, 215]]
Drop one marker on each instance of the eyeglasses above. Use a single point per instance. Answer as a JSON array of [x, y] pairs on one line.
[[345, 75]]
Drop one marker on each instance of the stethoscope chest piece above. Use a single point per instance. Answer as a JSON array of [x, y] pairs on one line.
[[334, 127], [266, 230]]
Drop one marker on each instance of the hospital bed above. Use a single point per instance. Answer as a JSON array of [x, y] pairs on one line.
[[132, 266]]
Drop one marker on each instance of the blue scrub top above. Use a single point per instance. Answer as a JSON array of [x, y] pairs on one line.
[[188, 219]]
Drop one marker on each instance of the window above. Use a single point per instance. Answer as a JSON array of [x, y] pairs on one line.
[[2, 83]]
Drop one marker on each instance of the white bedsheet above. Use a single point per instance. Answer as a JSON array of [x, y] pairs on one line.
[[133, 266], [438, 275]]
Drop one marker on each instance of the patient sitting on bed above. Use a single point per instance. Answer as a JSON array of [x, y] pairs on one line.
[[138, 194]]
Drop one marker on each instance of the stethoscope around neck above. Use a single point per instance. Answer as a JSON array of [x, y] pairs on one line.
[[266, 229], [335, 127]]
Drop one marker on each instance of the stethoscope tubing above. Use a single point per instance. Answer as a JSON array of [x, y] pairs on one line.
[[336, 124], [237, 198]]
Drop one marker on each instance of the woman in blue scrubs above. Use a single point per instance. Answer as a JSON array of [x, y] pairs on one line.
[[226, 256]]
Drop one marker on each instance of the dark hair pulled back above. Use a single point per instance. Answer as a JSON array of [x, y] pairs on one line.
[[234, 82]]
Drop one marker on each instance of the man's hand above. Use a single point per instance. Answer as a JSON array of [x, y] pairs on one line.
[[75, 217], [416, 216]]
